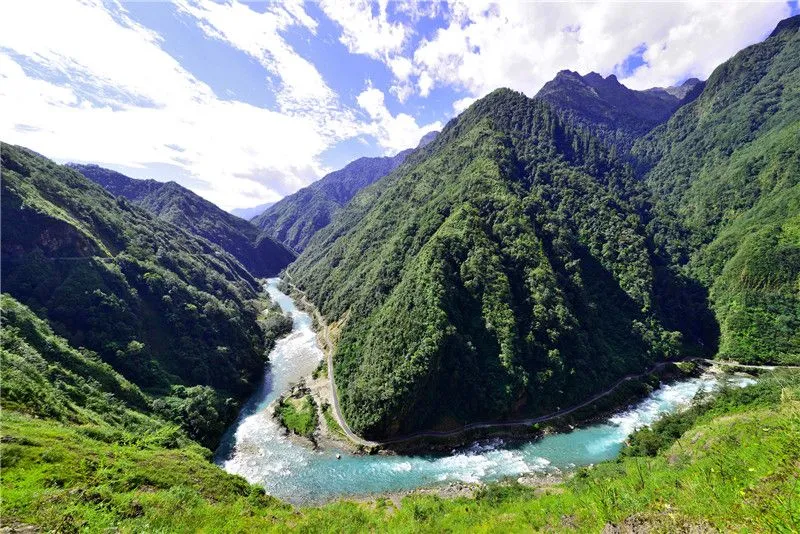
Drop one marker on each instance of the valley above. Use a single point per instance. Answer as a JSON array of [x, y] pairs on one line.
[[573, 311]]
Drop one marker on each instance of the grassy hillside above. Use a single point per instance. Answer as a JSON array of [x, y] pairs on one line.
[[730, 464], [260, 254], [725, 175]]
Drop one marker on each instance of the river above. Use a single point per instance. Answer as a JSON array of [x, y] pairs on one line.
[[255, 446]]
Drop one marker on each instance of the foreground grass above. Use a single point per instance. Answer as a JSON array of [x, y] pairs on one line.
[[735, 468]]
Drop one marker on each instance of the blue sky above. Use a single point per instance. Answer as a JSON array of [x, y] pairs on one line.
[[247, 102]]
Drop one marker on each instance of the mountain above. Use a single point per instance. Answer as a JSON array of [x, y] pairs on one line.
[[612, 112], [249, 213], [295, 219], [725, 176], [518, 265], [170, 312], [502, 271], [262, 255], [680, 91]]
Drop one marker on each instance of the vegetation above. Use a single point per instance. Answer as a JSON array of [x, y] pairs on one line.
[[502, 269], [725, 176], [170, 312], [296, 218], [496, 276], [616, 115], [518, 259], [331, 422], [298, 414], [734, 468], [260, 254]]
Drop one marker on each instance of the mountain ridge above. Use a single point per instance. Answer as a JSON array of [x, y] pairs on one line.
[[296, 218], [261, 255]]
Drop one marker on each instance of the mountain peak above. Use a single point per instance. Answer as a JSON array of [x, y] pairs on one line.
[[786, 25], [427, 138]]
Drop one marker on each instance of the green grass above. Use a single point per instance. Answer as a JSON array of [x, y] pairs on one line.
[[330, 420], [734, 469], [298, 415]]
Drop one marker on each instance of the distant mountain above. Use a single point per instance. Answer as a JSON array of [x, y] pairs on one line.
[[612, 112], [261, 255], [295, 219], [160, 305], [679, 91], [116, 183], [249, 213]]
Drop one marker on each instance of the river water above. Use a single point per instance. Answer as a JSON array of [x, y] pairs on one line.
[[255, 446]]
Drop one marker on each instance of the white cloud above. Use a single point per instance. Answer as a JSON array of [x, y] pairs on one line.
[[259, 35], [364, 32], [102, 89], [393, 132], [463, 103], [523, 45]]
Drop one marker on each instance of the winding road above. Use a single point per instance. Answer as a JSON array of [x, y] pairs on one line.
[[355, 438], [328, 350]]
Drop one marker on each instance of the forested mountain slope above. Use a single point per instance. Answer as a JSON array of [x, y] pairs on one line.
[[503, 270], [614, 113], [725, 176], [164, 308], [295, 219], [262, 255]]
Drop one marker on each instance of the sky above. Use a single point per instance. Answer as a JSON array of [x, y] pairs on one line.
[[246, 102]]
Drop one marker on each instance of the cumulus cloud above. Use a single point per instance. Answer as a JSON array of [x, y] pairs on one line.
[[393, 132], [102, 88], [522, 45], [259, 35], [366, 28]]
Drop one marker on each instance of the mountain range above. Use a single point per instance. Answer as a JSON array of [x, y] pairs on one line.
[[522, 262], [295, 219], [249, 213], [172, 313], [259, 253], [530, 255], [614, 113]]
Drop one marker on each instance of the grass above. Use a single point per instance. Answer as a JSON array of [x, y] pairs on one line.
[[298, 415], [330, 420], [734, 468]]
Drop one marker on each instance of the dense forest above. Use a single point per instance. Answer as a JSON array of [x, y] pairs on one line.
[[521, 257], [296, 218], [499, 275], [259, 253], [172, 313], [725, 179]]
